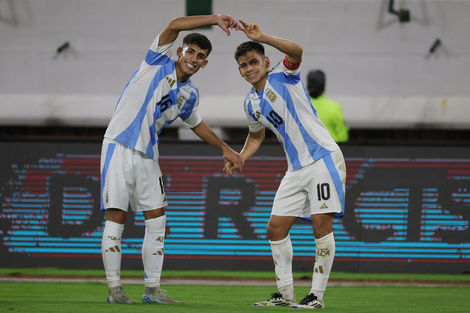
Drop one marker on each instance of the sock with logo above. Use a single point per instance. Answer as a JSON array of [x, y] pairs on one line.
[[325, 253], [153, 251], [111, 252], [282, 257]]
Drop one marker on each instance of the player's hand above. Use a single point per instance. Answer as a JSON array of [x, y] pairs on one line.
[[230, 169], [226, 22], [233, 162], [251, 30]]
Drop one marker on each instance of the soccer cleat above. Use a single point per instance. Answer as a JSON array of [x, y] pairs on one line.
[[275, 300], [117, 295], [310, 302], [155, 295]]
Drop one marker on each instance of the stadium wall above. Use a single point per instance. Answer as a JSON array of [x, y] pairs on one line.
[[407, 209], [382, 71]]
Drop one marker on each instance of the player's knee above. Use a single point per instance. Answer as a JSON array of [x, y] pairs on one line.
[[275, 233], [116, 215], [322, 225]]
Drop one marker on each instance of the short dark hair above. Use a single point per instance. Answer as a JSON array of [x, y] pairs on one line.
[[248, 46], [199, 40], [316, 81]]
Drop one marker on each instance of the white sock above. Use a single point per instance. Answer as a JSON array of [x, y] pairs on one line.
[[111, 252], [282, 257], [325, 253], [153, 251]]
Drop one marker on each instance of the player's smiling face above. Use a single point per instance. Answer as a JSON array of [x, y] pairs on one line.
[[190, 59], [254, 68]]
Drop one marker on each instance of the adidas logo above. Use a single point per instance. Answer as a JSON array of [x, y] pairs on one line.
[[319, 269], [160, 252], [170, 81], [323, 206], [113, 249]]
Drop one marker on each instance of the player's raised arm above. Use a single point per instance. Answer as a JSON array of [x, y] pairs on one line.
[[292, 49], [171, 31]]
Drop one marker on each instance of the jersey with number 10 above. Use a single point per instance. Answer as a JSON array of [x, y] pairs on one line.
[[284, 107], [153, 98]]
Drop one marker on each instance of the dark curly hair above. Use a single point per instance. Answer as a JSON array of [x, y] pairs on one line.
[[199, 40], [248, 46]]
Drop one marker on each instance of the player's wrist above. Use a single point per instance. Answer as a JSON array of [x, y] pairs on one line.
[[265, 38], [220, 19]]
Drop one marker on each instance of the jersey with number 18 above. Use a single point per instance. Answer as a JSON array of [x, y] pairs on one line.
[[153, 98]]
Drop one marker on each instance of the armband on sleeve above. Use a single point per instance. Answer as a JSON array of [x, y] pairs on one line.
[[289, 65]]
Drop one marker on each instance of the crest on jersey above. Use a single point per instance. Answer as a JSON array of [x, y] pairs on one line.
[[271, 95]]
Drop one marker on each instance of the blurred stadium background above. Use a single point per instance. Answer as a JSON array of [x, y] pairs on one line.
[[404, 87]]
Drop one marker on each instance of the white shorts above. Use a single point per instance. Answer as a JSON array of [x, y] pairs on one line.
[[314, 189], [130, 177]]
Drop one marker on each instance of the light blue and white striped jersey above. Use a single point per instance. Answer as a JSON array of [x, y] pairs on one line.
[[284, 107], [152, 98]]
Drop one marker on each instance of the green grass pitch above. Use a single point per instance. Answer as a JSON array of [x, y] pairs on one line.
[[91, 296]]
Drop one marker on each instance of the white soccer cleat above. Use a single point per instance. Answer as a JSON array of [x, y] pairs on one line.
[[275, 300], [117, 295], [310, 302], [155, 295]]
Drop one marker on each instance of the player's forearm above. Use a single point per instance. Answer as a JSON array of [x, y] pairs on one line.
[[171, 31], [292, 49], [204, 132], [252, 144], [192, 22], [229, 155], [249, 150]]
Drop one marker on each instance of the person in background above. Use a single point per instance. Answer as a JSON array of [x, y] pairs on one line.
[[330, 112], [159, 92]]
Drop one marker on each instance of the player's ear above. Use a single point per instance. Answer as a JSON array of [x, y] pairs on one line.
[[179, 51], [205, 63], [268, 63]]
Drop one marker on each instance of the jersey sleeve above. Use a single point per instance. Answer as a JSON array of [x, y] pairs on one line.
[[194, 119], [157, 53], [254, 124]]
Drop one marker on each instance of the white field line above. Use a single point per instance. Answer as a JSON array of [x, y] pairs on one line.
[[229, 281]]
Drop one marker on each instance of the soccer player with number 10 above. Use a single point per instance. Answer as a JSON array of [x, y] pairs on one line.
[[314, 185]]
